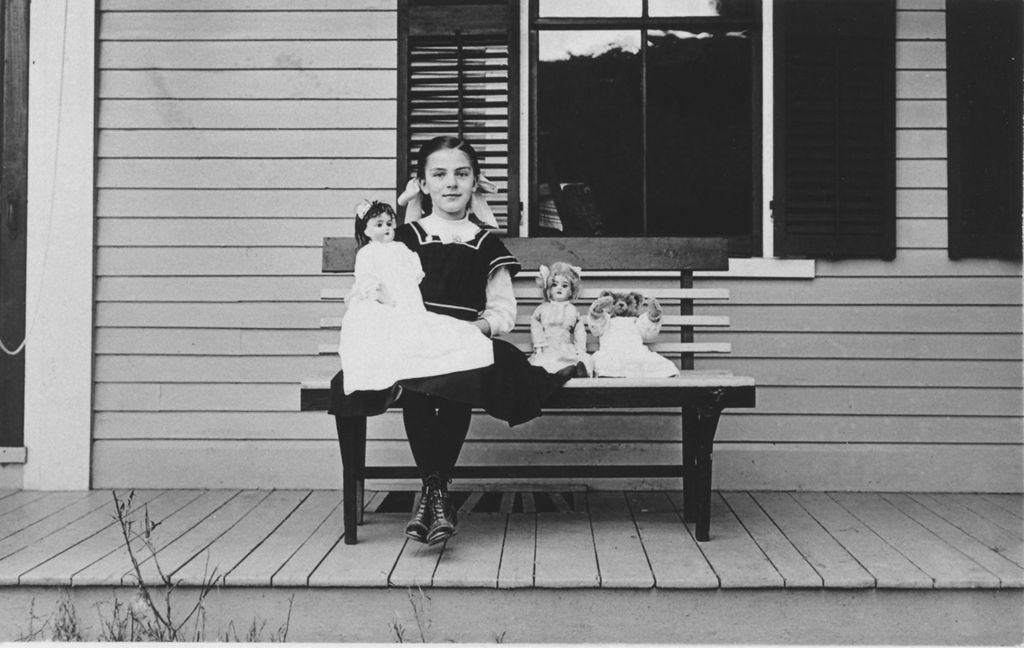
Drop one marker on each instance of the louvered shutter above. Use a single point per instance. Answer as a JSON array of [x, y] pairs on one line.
[[984, 113], [459, 81], [835, 158]]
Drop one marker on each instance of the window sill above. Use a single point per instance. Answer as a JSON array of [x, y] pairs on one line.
[[12, 455]]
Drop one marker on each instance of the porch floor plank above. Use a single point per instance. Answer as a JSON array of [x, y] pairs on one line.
[[890, 568], [86, 517], [676, 559], [994, 537], [19, 499], [795, 570], [45, 527], [829, 558], [621, 560], [104, 556], [416, 564], [60, 569], [242, 538], [565, 551], [259, 567], [169, 528], [947, 566], [992, 512], [25, 516], [733, 554], [519, 551], [304, 560], [369, 562], [1012, 503], [192, 543], [473, 558], [1009, 574]]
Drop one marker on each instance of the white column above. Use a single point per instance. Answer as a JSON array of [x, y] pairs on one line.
[[58, 313]]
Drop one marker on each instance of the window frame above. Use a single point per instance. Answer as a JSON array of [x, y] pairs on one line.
[[739, 246]]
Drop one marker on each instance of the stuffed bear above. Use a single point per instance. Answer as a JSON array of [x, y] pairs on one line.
[[623, 322]]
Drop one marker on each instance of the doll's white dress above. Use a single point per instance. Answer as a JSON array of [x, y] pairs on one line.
[[623, 354], [559, 337], [383, 343]]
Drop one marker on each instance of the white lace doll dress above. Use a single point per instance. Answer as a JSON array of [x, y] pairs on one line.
[[622, 352], [382, 343], [560, 339]]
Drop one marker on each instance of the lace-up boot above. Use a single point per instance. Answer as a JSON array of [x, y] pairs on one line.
[[419, 523], [442, 526]]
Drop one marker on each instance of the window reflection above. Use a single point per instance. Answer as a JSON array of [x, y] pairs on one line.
[[590, 8], [589, 119], [695, 8], [699, 146]]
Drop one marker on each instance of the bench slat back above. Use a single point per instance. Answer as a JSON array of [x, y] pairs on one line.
[[591, 254]]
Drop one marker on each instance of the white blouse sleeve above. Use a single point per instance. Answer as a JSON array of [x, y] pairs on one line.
[[500, 311]]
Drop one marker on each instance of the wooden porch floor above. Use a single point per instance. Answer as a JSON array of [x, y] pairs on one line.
[[595, 540]]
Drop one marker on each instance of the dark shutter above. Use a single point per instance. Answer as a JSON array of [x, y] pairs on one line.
[[459, 80], [984, 112], [835, 113]]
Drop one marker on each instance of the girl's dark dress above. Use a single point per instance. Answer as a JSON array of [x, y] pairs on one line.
[[455, 284]]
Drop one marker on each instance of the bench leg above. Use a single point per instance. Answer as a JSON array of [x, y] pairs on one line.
[[690, 441], [708, 424], [352, 439]]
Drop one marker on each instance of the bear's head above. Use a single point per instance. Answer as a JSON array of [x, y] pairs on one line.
[[624, 304]]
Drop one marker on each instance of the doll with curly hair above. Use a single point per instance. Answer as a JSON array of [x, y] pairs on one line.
[[556, 328]]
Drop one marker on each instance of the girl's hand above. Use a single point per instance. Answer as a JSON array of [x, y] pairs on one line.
[[484, 326]]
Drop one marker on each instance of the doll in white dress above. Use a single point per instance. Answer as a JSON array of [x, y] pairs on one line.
[[556, 328], [387, 334]]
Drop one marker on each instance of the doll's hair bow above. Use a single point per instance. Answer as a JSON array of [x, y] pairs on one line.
[[363, 208], [412, 199]]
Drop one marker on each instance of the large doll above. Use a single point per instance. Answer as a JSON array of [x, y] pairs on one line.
[[387, 334], [556, 328]]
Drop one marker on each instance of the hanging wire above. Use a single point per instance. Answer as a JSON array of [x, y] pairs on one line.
[[53, 191]]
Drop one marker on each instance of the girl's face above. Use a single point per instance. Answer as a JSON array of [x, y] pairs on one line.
[[561, 289], [449, 181], [381, 228]]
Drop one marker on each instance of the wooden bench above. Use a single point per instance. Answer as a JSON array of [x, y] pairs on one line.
[[700, 396]]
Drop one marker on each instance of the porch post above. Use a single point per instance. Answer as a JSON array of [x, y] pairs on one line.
[[61, 184]]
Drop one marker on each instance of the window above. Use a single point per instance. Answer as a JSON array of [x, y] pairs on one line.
[[984, 81], [645, 118]]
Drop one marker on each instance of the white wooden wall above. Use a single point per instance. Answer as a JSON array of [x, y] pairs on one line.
[[235, 134]]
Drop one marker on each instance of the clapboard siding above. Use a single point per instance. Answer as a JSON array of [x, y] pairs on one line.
[[236, 134]]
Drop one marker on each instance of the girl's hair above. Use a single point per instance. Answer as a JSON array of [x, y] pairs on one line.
[[367, 210], [440, 143], [559, 268]]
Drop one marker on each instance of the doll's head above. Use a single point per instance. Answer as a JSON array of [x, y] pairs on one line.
[[560, 282], [375, 221]]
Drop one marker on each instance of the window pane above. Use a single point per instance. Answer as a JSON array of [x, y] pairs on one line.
[[699, 139], [687, 8], [590, 8], [589, 116]]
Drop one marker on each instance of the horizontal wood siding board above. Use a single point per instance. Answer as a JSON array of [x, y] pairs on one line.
[[869, 467], [737, 426], [247, 5], [241, 25], [920, 55], [590, 253], [213, 232], [233, 203], [269, 143], [247, 84], [238, 174], [920, 113], [299, 112], [247, 55]]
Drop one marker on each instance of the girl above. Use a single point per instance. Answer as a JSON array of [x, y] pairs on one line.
[[556, 328], [387, 334], [468, 276]]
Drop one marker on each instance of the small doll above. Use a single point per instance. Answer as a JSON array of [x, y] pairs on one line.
[[556, 328], [387, 334], [623, 322]]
